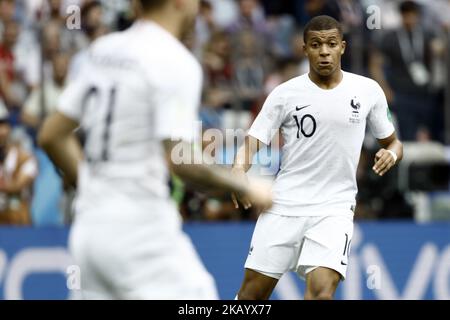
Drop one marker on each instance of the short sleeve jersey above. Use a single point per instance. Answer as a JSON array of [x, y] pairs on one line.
[[135, 89]]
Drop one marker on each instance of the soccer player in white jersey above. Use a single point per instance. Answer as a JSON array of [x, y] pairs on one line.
[[322, 117], [136, 98]]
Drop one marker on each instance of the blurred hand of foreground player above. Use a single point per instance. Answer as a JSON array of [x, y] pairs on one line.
[[258, 192]]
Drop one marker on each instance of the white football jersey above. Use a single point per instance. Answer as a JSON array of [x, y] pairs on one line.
[[323, 132], [135, 89]]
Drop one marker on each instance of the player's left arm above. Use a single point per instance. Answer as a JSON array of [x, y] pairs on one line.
[[57, 138], [390, 154]]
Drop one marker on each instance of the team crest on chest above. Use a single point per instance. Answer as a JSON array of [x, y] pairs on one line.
[[355, 114]]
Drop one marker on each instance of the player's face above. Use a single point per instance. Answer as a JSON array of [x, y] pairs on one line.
[[324, 50]]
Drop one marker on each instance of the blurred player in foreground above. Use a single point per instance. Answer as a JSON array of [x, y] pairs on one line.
[[136, 99], [322, 116]]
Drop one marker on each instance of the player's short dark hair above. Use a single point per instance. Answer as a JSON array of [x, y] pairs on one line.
[[320, 23], [148, 5], [409, 6]]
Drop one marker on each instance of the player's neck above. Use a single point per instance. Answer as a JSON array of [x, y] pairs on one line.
[[165, 20], [328, 82]]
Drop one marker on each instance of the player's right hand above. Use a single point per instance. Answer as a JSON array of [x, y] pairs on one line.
[[240, 175], [258, 192]]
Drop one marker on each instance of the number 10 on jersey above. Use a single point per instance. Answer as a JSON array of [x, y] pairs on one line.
[[301, 125]]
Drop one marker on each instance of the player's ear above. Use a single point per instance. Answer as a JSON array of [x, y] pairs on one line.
[[344, 45]]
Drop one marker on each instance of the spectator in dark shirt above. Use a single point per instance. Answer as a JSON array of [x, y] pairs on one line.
[[403, 69], [7, 67], [251, 17], [18, 169]]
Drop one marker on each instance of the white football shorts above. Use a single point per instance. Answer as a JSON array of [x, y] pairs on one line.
[[300, 244]]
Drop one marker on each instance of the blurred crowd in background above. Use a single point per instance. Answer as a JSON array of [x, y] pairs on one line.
[[246, 48]]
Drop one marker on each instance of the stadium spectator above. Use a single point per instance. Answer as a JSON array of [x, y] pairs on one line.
[[70, 40], [442, 9], [92, 20], [18, 169], [251, 16], [49, 204], [7, 12], [316, 8], [280, 29], [249, 69], [7, 68], [43, 100], [351, 15], [92, 28], [205, 26], [35, 52], [51, 45], [285, 70], [407, 51], [218, 68]]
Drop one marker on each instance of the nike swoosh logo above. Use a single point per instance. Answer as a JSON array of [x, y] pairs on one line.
[[343, 263], [300, 108]]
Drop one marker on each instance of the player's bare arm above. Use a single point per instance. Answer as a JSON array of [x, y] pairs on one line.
[[242, 164], [57, 138], [209, 176], [391, 153]]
